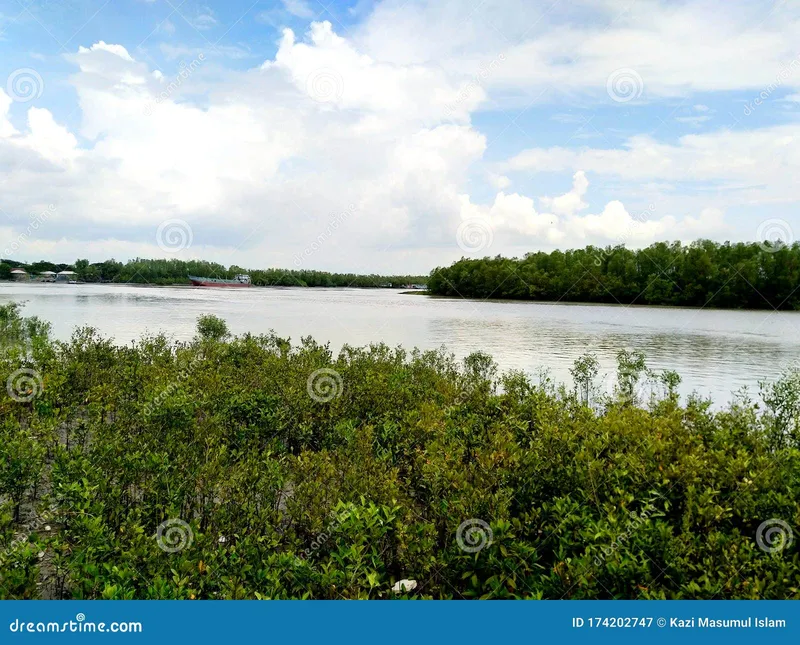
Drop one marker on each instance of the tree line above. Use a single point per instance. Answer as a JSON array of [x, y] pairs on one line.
[[168, 272], [703, 273]]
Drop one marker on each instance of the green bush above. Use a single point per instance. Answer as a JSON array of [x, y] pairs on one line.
[[246, 467]]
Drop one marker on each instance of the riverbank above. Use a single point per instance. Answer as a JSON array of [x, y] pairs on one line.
[[251, 467], [175, 272], [717, 352], [701, 274]]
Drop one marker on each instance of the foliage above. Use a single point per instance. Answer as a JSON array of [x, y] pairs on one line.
[[166, 272], [282, 495], [212, 327], [704, 273]]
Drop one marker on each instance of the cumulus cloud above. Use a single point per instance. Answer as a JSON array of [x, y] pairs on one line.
[[331, 71], [515, 215], [571, 202], [380, 121], [299, 8], [676, 48], [256, 173], [761, 163]]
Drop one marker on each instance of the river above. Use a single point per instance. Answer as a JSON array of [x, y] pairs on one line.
[[716, 352]]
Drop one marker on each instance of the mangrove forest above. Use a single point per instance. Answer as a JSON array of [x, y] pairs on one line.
[[701, 274], [252, 467]]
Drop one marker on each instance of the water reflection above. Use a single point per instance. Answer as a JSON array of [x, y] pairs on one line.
[[716, 352]]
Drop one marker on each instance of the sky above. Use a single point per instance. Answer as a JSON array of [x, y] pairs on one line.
[[393, 136]]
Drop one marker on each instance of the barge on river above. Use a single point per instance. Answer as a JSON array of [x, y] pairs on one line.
[[241, 280]]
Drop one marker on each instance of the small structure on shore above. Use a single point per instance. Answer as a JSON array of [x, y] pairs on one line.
[[47, 276], [65, 276], [20, 275]]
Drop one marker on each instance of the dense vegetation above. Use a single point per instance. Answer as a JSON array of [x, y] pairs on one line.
[[164, 272], [703, 273], [249, 468]]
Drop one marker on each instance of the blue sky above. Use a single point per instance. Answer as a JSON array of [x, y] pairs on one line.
[[392, 136]]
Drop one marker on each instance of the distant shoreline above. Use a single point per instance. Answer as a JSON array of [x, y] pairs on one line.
[[191, 286], [575, 303]]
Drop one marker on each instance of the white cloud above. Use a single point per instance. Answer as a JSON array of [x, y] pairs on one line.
[[760, 164], [501, 182], [694, 121], [514, 215], [571, 202], [263, 168], [331, 71], [676, 48], [6, 129], [299, 8], [167, 27], [259, 160], [204, 19], [117, 50]]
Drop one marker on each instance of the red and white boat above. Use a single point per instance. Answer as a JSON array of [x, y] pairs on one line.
[[241, 280]]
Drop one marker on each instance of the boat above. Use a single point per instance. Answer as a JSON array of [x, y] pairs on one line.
[[241, 280]]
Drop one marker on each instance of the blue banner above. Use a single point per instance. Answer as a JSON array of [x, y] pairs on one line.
[[398, 622]]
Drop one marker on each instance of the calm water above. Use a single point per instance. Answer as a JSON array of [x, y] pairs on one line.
[[716, 352]]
